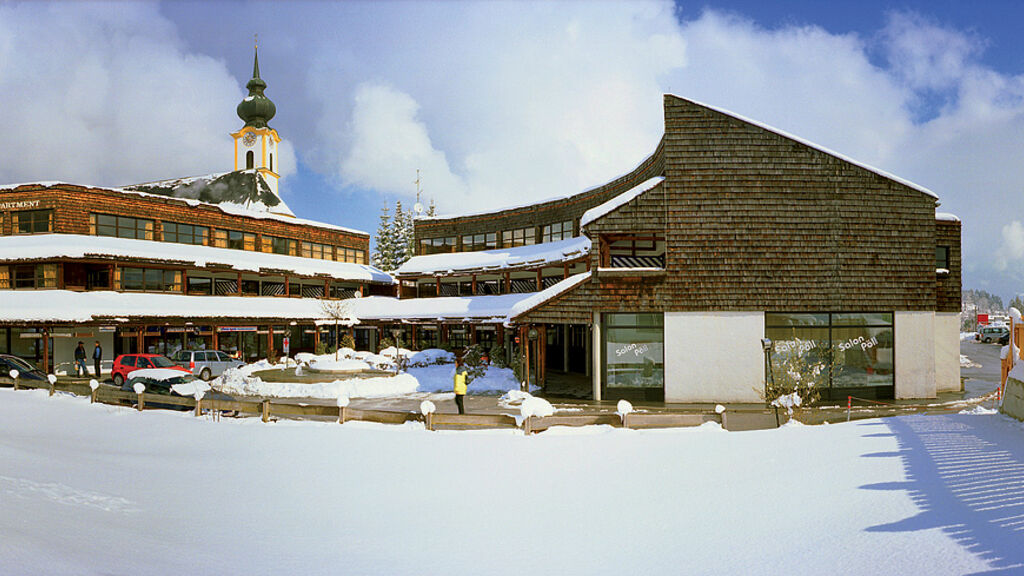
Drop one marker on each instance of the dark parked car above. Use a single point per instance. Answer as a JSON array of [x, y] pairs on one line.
[[26, 370], [164, 381], [1005, 339], [125, 364]]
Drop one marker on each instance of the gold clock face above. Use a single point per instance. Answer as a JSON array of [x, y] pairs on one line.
[[249, 139]]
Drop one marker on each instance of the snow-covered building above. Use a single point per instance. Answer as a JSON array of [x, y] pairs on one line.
[[662, 284], [217, 261]]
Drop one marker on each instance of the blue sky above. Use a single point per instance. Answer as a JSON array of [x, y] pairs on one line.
[[501, 103]]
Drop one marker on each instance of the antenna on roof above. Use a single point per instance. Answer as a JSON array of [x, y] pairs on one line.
[[418, 207]]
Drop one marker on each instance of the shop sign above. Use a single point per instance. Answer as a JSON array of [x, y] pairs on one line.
[[19, 205], [864, 344], [108, 328], [982, 319], [179, 329], [637, 349], [34, 335], [237, 329], [285, 345]]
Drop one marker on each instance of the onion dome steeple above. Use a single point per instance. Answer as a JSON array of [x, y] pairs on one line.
[[256, 109]]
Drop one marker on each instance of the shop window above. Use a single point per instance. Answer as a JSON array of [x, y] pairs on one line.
[[427, 337], [846, 354], [557, 231], [318, 251], [632, 251], [32, 221], [437, 245], [634, 359], [942, 257], [185, 234], [275, 245], [130, 278], [458, 337], [475, 242], [121, 226], [518, 237]]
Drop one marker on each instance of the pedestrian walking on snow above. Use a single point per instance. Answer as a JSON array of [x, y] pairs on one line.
[[80, 369], [461, 375]]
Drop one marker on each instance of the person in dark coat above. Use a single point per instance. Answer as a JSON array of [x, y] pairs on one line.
[[97, 355], [80, 369]]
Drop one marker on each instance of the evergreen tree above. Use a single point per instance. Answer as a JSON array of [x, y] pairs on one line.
[[432, 210], [383, 254], [401, 224], [1017, 302]]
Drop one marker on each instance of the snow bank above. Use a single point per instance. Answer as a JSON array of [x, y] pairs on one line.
[[239, 384], [160, 374], [966, 362], [195, 388]]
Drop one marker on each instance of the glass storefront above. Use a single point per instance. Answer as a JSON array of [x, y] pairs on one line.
[[634, 359], [854, 351]]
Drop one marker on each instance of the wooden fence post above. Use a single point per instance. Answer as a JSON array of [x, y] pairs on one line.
[[429, 416], [341, 415], [199, 408], [142, 402], [527, 425], [266, 410]]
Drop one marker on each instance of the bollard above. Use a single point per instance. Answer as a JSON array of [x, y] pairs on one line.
[[341, 415], [140, 388], [199, 407], [849, 405], [93, 386], [14, 376], [53, 381]]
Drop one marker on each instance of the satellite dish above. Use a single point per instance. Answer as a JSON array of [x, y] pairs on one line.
[[418, 208]]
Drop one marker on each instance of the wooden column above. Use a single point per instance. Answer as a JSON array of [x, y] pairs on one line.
[[412, 339], [565, 271], [216, 340], [542, 355], [438, 285], [540, 281], [472, 333], [140, 340], [499, 334], [112, 274], [270, 342], [473, 289], [508, 283], [316, 337], [287, 286], [239, 291], [46, 352], [184, 282]]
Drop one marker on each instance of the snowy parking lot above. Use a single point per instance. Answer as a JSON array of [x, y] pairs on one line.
[[96, 489]]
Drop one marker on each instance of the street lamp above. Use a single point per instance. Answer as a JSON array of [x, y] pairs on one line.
[[766, 345]]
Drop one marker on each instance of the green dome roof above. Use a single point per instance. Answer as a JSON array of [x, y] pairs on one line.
[[256, 109]]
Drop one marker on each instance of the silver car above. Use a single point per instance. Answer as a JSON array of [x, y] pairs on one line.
[[205, 363]]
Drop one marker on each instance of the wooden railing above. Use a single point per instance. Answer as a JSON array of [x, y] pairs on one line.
[[269, 410]]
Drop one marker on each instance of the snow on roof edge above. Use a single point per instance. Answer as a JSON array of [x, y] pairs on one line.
[[818, 147], [620, 200], [553, 291], [544, 201], [497, 259], [947, 217]]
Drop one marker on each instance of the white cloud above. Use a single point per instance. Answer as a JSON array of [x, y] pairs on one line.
[[1012, 248], [106, 96]]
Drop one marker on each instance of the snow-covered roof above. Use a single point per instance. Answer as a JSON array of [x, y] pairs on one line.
[[60, 306], [46, 246], [947, 217], [818, 147], [245, 188], [627, 196], [251, 210], [536, 255]]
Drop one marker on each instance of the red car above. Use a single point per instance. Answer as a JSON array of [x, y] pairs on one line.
[[125, 364]]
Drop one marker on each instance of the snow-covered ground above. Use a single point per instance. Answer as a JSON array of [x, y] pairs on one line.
[[97, 489], [424, 375]]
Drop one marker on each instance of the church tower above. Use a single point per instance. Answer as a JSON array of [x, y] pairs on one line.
[[256, 143]]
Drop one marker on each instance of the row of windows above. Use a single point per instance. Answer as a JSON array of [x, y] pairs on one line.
[[143, 229], [489, 240], [28, 276]]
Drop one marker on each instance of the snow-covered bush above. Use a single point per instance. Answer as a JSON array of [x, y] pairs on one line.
[[799, 367], [497, 356], [431, 357]]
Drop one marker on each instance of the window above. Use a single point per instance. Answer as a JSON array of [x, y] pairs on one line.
[[318, 251], [148, 279], [234, 239], [250, 160], [271, 162], [518, 237], [853, 350], [632, 251], [437, 245], [351, 255], [633, 353], [473, 242], [458, 337], [200, 286], [942, 257], [32, 221], [121, 226], [277, 245], [557, 231], [186, 233], [34, 276], [5, 279]]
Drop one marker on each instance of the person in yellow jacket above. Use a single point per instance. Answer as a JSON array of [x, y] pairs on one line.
[[461, 375]]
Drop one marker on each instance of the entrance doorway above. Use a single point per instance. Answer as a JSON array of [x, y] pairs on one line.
[[566, 361]]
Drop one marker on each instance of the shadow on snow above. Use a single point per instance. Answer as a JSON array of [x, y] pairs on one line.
[[967, 480]]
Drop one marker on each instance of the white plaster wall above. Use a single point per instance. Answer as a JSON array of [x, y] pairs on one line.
[[915, 354], [947, 352], [714, 356]]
